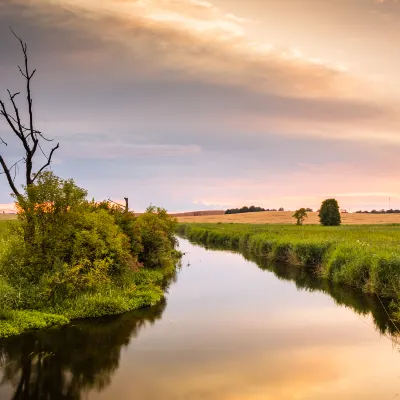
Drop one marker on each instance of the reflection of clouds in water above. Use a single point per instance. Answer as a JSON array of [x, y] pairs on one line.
[[305, 372], [308, 348], [230, 332]]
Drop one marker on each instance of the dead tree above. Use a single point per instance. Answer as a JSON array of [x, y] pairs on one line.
[[30, 138]]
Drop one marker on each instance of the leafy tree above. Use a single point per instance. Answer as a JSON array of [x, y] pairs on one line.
[[281, 209], [300, 215], [329, 213]]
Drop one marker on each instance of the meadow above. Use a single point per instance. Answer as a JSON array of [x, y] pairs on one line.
[[285, 217], [362, 256]]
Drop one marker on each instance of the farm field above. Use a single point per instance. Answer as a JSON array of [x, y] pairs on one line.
[[5, 217], [285, 217]]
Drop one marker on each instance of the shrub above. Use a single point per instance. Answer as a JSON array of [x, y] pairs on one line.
[[329, 214], [300, 215], [157, 232], [8, 298]]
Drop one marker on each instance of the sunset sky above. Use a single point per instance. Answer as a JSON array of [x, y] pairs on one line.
[[192, 104]]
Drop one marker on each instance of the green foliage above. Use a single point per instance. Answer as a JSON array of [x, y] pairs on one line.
[[366, 257], [244, 209], [300, 215], [8, 298], [21, 321], [329, 213], [76, 258], [156, 229], [115, 301]]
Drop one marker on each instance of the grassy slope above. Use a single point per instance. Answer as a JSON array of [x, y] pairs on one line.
[[366, 257], [285, 217]]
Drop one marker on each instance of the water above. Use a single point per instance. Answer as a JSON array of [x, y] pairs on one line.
[[228, 331]]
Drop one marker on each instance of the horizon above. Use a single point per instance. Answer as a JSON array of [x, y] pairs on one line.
[[209, 105]]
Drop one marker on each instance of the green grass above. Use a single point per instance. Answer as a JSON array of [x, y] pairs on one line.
[[363, 256], [19, 321]]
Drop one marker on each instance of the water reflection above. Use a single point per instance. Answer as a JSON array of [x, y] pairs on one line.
[[360, 302], [304, 279], [230, 332], [64, 363]]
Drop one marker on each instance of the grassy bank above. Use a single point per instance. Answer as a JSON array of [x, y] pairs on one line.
[[366, 257], [66, 257], [29, 309]]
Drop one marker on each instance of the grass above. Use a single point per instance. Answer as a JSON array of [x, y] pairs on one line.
[[366, 257], [285, 217], [19, 321]]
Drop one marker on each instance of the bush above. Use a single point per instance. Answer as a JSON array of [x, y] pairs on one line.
[[157, 232], [68, 256], [8, 298], [300, 215], [329, 214]]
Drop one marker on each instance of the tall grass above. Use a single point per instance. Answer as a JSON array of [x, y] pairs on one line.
[[366, 257]]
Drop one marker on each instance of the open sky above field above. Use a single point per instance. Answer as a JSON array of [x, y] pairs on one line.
[[193, 104]]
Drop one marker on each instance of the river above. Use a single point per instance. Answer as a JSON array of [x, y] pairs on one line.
[[229, 330]]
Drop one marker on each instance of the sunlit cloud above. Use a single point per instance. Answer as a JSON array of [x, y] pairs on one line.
[[183, 98]]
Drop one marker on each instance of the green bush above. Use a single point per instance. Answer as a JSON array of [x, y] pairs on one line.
[[8, 299], [329, 214], [157, 232], [68, 256]]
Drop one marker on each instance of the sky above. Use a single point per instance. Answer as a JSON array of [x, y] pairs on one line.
[[194, 105]]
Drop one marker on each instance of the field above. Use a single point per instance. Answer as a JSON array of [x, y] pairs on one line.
[[366, 257], [4, 217], [285, 217]]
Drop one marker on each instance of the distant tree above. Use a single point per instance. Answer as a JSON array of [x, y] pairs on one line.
[[281, 209], [309, 209], [300, 215], [244, 209], [329, 214]]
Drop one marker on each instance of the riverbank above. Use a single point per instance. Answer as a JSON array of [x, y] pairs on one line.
[[110, 301], [109, 263], [366, 257]]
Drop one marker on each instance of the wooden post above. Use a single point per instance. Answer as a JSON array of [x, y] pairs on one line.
[[126, 204]]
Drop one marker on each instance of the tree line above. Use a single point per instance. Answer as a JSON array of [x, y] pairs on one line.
[[246, 209]]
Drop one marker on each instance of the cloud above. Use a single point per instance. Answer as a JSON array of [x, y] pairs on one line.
[[191, 37], [119, 150], [151, 91]]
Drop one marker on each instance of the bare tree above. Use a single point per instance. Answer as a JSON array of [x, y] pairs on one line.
[[30, 138]]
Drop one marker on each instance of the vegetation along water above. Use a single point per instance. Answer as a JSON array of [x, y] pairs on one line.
[[82, 259], [366, 257], [227, 330]]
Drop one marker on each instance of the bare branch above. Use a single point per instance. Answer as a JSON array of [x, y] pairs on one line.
[[18, 121], [26, 133], [43, 137], [20, 70], [48, 162], [6, 115], [9, 178], [24, 128]]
